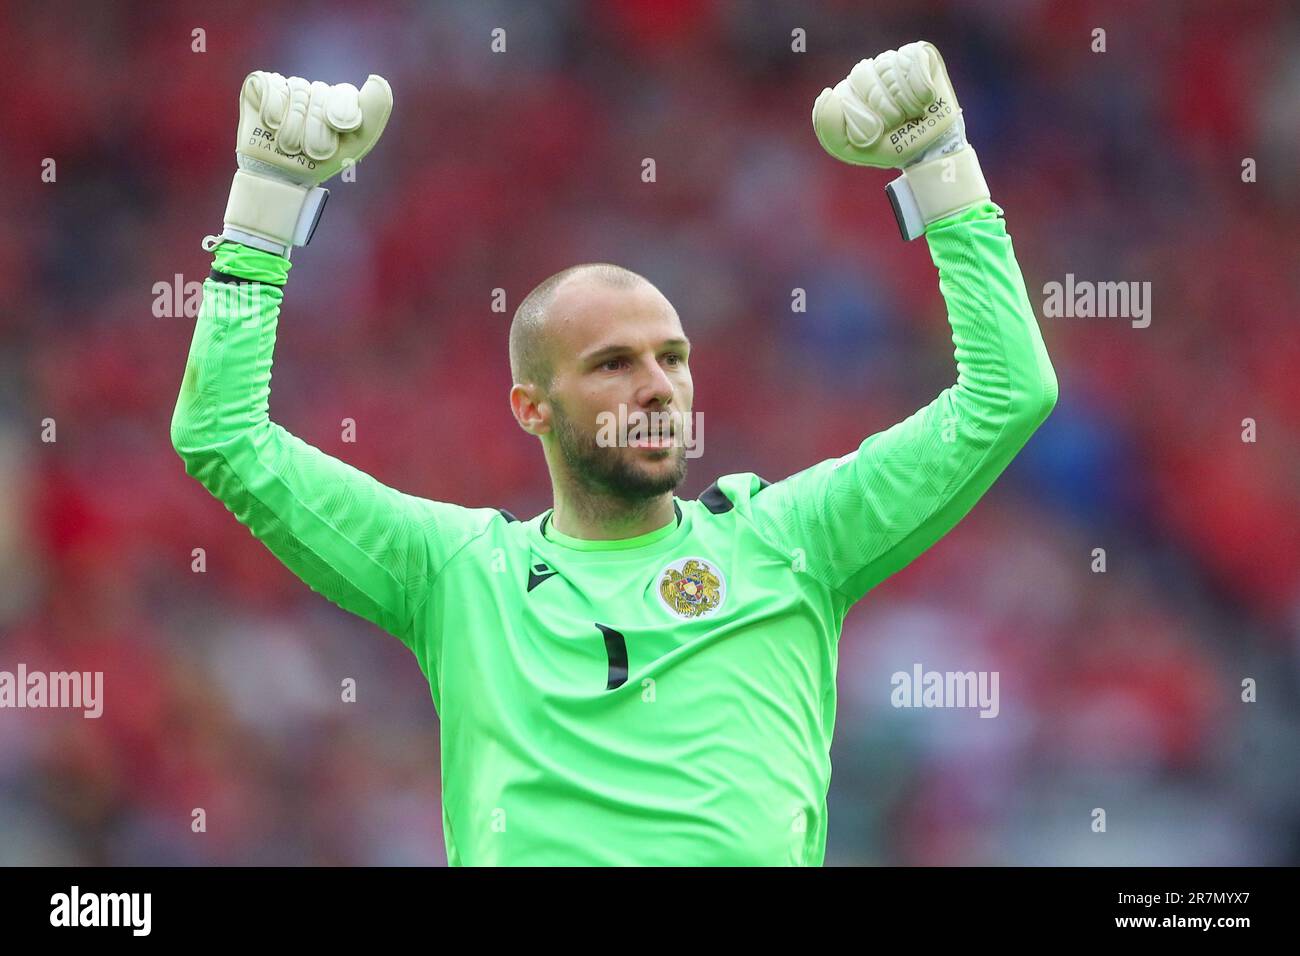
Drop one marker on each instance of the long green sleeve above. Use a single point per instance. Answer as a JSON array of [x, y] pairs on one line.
[[858, 519], [368, 548]]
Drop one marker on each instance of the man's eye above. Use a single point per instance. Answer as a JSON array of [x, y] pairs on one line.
[[612, 365], [674, 358]]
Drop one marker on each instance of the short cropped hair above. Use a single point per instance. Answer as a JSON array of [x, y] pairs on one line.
[[530, 360]]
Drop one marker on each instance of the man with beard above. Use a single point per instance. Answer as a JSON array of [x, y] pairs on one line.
[[628, 677], [600, 343]]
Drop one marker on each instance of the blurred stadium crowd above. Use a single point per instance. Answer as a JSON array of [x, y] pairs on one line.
[[1120, 690]]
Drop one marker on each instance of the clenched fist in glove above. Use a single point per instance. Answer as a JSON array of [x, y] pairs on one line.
[[898, 110], [293, 135]]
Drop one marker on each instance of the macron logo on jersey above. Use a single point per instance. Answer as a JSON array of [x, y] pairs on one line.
[[539, 573]]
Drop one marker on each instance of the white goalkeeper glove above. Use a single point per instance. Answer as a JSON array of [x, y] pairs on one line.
[[899, 111], [293, 135]]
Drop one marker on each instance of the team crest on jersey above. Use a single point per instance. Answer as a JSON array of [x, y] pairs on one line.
[[691, 587]]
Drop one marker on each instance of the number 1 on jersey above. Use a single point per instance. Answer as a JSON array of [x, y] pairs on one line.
[[616, 650]]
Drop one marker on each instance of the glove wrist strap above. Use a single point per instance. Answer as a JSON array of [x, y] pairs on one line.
[[255, 242], [279, 213], [935, 188]]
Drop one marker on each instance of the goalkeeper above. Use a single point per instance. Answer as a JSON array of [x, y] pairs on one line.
[[628, 678]]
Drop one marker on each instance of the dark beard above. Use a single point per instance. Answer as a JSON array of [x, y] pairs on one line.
[[605, 471]]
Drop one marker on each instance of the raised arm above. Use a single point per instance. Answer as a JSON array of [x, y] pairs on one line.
[[860, 518], [368, 548]]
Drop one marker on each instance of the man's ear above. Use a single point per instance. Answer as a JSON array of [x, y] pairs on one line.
[[531, 409]]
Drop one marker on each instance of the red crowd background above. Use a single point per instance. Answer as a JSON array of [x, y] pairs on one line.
[[1120, 690]]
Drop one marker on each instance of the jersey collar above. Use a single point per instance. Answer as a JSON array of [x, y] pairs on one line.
[[615, 544]]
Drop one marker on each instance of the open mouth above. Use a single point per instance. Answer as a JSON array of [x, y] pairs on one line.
[[653, 432], [652, 441]]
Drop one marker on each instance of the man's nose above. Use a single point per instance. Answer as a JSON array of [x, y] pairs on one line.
[[655, 386]]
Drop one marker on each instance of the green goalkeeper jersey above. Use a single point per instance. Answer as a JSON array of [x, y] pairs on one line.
[[667, 699]]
